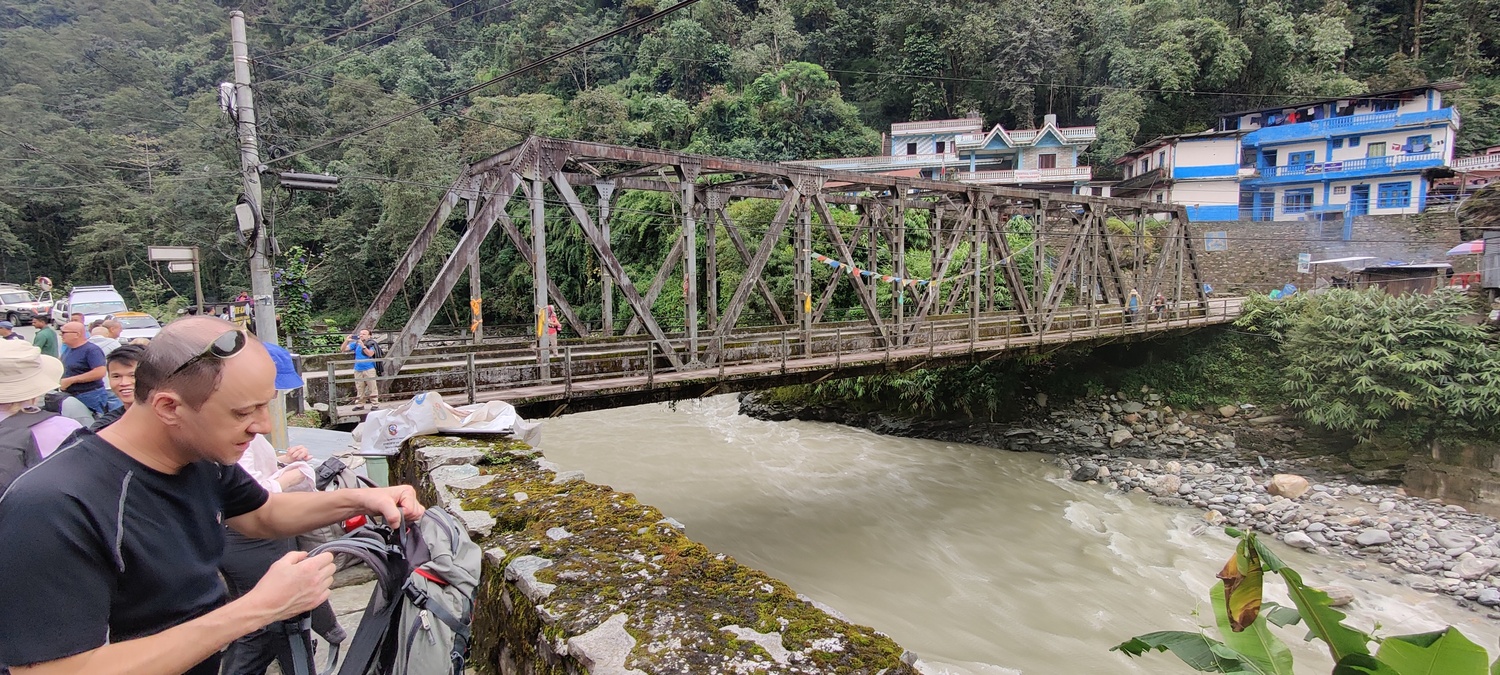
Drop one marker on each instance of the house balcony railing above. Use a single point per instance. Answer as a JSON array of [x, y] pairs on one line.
[[885, 162], [1479, 163], [1072, 173], [1350, 168], [1352, 124]]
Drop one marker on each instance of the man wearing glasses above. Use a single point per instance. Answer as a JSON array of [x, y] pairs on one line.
[[83, 371], [112, 545]]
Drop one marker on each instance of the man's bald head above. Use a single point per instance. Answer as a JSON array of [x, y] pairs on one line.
[[178, 343], [73, 334], [115, 327]]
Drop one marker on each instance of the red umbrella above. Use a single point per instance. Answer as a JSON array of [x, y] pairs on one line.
[[1475, 247]]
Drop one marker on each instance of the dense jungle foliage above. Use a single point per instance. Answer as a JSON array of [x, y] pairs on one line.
[[111, 137]]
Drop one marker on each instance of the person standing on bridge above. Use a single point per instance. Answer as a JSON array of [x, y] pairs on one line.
[[553, 327], [1132, 305], [366, 388]]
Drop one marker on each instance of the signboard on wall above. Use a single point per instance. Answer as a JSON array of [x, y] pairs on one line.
[[1304, 263], [1216, 241]]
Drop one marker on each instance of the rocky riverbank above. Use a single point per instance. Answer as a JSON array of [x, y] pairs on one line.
[[1239, 467]]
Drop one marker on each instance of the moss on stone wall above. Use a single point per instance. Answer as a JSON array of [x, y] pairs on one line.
[[611, 555]]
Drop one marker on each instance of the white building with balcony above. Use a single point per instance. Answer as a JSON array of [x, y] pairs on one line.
[[1199, 171], [961, 150]]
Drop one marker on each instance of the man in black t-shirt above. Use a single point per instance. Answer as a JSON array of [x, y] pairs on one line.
[[111, 547]]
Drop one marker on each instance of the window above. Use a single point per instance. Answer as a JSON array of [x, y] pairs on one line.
[[1247, 157], [1421, 143], [1375, 150], [1268, 158], [1338, 143], [1299, 158], [1353, 141], [1127, 172], [1297, 201], [1161, 158], [1384, 105], [1145, 164], [1340, 189], [1394, 195], [939, 147], [911, 148], [1047, 161], [1160, 197]]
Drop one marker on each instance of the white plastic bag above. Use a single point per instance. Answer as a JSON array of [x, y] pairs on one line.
[[383, 431]]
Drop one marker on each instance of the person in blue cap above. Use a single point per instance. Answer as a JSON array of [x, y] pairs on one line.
[[8, 331]]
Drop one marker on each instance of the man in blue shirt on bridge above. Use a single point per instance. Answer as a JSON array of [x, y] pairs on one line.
[[366, 387]]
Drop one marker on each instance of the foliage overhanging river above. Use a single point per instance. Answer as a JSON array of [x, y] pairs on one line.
[[980, 560]]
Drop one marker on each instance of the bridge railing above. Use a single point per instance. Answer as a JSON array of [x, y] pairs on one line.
[[476, 376]]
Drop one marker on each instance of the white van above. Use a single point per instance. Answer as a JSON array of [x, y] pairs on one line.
[[95, 302]]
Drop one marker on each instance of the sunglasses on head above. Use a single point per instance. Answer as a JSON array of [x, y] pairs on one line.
[[223, 347]]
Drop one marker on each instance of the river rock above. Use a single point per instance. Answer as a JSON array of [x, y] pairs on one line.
[[1086, 471], [1132, 407], [1475, 568], [1174, 467], [1288, 485], [1373, 537], [1338, 596], [1120, 437], [1454, 539], [1300, 540], [1130, 418], [1228, 411], [1266, 420], [1489, 597]]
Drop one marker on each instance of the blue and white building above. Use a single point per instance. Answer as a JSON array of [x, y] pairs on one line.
[[1200, 171], [1335, 159], [1329, 159], [962, 150]]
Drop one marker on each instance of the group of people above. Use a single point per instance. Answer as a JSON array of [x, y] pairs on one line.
[[83, 351], [1133, 305], [153, 539]]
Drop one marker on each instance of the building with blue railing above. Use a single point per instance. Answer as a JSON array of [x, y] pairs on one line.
[[1336, 159], [1327, 160]]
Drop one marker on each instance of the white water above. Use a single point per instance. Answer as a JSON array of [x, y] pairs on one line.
[[980, 560]]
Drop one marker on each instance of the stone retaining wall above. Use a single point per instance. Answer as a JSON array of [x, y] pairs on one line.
[[1263, 255], [579, 578]]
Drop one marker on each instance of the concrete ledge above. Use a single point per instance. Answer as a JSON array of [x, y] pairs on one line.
[[580, 579]]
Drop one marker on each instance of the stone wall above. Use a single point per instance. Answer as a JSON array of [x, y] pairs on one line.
[[1466, 474], [579, 578], [1263, 255]]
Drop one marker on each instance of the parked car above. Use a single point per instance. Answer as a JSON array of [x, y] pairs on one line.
[[137, 325], [95, 302], [18, 306]]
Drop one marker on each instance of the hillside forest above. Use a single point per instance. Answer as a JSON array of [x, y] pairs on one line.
[[112, 138]]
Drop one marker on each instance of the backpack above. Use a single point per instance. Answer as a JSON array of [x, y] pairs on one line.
[[419, 618], [18, 450]]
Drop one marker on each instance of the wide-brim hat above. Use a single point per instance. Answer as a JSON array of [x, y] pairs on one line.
[[25, 372]]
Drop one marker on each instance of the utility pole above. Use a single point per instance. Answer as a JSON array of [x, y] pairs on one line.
[[261, 289]]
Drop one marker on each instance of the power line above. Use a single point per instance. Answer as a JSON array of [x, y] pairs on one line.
[[342, 54], [513, 73], [350, 29]]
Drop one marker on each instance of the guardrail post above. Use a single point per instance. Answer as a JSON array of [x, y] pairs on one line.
[[838, 348], [471, 377], [721, 357], [333, 393], [931, 338], [784, 350], [650, 364]]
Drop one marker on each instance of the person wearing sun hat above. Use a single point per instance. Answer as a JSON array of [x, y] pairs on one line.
[[26, 374]]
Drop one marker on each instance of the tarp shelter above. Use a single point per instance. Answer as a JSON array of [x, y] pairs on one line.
[[1401, 278]]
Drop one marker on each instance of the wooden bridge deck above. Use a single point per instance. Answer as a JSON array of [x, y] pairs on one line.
[[591, 377]]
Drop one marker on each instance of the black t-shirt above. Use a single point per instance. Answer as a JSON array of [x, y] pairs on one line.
[[96, 547]]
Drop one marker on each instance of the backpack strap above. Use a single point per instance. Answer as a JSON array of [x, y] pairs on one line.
[[370, 644]]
